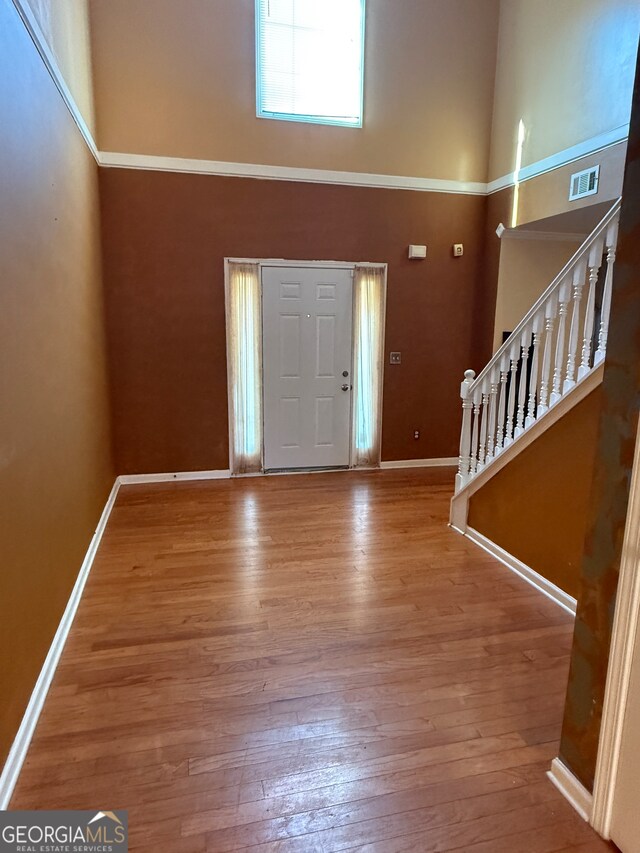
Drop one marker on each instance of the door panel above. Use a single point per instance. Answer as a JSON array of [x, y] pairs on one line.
[[307, 343], [290, 346]]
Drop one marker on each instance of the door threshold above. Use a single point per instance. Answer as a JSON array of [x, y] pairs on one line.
[[313, 470]]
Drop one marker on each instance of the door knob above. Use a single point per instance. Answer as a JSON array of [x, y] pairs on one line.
[[345, 387]]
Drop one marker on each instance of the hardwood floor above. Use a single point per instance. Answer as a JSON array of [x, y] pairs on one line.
[[308, 663]]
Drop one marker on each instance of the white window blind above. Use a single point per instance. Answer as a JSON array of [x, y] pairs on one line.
[[309, 60]]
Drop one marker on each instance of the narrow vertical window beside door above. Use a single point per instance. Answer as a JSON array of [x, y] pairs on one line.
[[244, 344], [369, 309]]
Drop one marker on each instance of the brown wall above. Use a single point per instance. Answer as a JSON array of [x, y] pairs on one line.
[[165, 238], [536, 507], [177, 79], [565, 68], [55, 462]]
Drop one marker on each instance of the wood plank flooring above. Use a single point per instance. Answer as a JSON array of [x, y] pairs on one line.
[[308, 663]]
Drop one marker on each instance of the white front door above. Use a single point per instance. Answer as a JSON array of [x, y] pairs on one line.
[[306, 353]]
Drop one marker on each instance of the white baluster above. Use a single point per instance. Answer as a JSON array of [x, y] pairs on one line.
[[473, 467], [578, 285], [557, 349], [551, 308], [493, 411], [563, 301], [484, 424], [511, 403], [533, 380], [502, 405], [525, 342], [464, 462], [595, 262], [612, 238]]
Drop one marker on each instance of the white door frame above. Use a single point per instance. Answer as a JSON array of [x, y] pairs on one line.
[[281, 262], [625, 626]]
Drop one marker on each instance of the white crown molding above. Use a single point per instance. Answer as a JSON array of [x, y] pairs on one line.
[[571, 788], [561, 158], [38, 38], [148, 162], [20, 746], [546, 587]]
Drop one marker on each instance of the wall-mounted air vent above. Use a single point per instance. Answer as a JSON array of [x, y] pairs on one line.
[[584, 183]]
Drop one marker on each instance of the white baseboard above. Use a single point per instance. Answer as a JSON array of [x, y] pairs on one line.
[[133, 479], [185, 476], [528, 574], [443, 462], [571, 788], [18, 751]]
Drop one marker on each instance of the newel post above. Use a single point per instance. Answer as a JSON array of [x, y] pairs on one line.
[[464, 461]]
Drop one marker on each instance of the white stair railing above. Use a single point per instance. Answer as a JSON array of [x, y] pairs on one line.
[[553, 347]]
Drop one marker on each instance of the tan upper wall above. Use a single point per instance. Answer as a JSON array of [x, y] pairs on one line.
[[178, 79], [566, 68], [527, 268], [65, 26], [55, 459]]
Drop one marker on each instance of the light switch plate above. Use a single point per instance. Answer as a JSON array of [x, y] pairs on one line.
[[458, 250], [395, 358]]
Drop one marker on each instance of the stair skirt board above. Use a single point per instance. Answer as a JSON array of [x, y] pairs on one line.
[[579, 392], [546, 587], [571, 788]]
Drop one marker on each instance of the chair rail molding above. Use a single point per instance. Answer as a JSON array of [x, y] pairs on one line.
[[132, 160]]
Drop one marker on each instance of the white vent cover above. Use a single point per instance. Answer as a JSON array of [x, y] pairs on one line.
[[584, 183]]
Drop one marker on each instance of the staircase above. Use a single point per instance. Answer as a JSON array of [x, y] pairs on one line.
[[551, 361]]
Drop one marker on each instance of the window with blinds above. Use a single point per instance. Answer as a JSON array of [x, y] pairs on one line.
[[309, 60]]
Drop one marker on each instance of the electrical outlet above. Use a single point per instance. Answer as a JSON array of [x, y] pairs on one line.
[[416, 434], [395, 358], [458, 250]]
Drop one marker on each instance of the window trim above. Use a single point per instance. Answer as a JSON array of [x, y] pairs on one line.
[[261, 112]]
